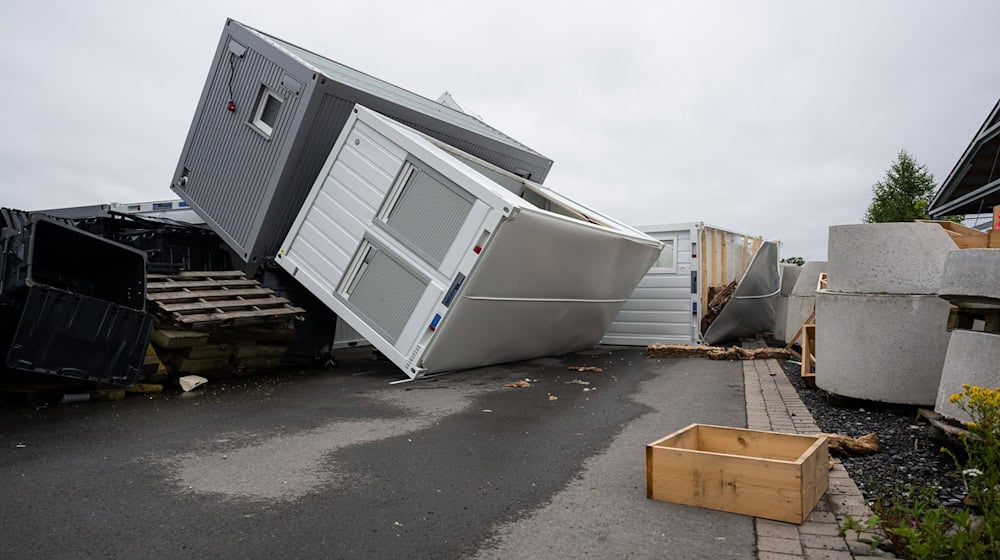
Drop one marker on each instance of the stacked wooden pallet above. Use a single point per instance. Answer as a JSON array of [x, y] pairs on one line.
[[218, 322]]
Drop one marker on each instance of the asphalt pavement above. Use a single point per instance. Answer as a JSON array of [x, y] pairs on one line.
[[341, 464]]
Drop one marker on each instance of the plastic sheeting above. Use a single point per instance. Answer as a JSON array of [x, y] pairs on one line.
[[751, 309]]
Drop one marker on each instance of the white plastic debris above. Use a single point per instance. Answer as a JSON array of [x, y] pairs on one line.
[[189, 382]]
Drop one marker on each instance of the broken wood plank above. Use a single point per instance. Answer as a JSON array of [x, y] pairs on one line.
[[714, 352], [224, 303], [846, 446], [234, 315], [207, 294], [940, 423], [174, 286], [201, 274]]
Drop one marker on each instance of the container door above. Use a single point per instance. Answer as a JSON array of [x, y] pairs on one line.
[[660, 310]]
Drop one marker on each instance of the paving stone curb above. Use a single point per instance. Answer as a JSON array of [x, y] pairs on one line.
[[772, 404]]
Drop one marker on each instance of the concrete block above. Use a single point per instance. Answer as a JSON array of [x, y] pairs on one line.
[[805, 284], [798, 305], [780, 317], [972, 358], [970, 275], [897, 258], [789, 275], [887, 348], [797, 310]]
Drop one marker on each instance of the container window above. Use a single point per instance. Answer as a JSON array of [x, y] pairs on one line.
[[667, 261], [265, 115]]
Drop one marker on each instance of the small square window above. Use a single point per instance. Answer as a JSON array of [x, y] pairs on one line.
[[667, 261], [265, 115]]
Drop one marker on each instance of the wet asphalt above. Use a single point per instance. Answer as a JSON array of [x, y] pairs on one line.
[[340, 464]]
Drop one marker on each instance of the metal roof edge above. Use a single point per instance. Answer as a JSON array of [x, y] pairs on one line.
[[955, 175], [280, 43]]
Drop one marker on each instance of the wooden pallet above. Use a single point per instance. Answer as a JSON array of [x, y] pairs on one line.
[[205, 300]]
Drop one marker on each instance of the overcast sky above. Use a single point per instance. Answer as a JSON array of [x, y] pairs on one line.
[[769, 118]]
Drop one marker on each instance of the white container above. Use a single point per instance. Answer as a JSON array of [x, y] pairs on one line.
[[670, 301], [443, 262]]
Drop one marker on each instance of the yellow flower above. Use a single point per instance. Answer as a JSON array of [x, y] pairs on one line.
[[970, 425], [954, 398]]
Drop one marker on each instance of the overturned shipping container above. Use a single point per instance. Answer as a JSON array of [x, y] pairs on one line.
[[443, 261], [671, 302], [71, 304], [268, 116]]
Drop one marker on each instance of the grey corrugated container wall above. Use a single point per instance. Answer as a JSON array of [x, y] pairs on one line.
[[249, 185]]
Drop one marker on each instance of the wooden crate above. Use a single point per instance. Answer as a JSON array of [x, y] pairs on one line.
[[764, 474]]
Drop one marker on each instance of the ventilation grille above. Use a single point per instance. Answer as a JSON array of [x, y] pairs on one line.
[[425, 199], [385, 292]]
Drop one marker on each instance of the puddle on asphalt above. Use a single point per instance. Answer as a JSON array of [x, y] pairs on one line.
[[290, 466]]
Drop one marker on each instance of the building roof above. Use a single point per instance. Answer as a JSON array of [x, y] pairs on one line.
[[371, 85], [973, 186]]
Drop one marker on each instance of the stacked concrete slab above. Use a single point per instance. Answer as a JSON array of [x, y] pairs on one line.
[[789, 274], [802, 299], [881, 328], [970, 281]]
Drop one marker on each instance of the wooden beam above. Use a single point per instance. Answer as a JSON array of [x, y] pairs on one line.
[[171, 286], [224, 304], [725, 257], [199, 274], [234, 315], [207, 294]]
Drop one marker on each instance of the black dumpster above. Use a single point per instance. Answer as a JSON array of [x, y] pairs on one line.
[[72, 304]]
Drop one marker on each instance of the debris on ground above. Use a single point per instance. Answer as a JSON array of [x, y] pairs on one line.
[[189, 382], [592, 369], [846, 446], [578, 382], [553, 398], [717, 299], [715, 352], [519, 384]]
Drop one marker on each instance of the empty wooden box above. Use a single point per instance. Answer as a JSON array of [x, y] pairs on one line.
[[764, 474]]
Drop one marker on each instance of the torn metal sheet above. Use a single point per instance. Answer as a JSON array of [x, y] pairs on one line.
[[752, 307]]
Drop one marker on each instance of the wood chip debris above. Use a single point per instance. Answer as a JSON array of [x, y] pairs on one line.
[[591, 369], [578, 382], [846, 446], [715, 352], [518, 384], [553, 398]]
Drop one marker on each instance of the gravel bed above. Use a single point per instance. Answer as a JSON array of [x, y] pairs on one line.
[[911, 448]]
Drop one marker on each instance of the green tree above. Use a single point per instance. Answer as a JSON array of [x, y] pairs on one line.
[[904, 194]]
